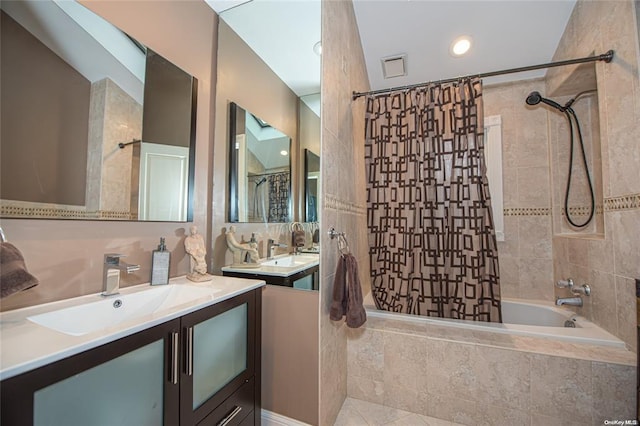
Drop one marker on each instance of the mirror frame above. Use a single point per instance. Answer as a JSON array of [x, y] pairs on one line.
[[232, 185], [307, 154]]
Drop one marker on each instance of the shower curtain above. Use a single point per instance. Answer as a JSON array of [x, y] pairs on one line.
[[432, 243], [279, 197]]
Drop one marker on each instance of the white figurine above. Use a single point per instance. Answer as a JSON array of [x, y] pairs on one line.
[[239, 251], [195, 247]]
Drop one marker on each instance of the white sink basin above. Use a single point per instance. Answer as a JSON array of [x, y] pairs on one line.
[[109, 311], [290, 261]]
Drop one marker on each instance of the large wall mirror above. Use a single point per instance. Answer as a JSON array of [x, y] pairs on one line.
[[284, 36], [260, 170], [94, 124]]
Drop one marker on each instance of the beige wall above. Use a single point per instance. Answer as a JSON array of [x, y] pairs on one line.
[[342, 182], [245, 79], [610, 264], [67, 255], [290, 353]]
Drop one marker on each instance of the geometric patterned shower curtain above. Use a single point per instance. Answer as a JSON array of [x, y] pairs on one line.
[[278, 197], [433, 248]]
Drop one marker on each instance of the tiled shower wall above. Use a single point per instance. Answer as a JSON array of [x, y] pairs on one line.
[[609, 263], [342, 170], [526, 262]]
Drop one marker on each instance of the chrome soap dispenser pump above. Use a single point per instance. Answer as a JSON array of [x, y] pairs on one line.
[[160, 261]]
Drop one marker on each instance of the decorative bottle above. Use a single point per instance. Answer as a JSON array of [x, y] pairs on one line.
[[160, 261]]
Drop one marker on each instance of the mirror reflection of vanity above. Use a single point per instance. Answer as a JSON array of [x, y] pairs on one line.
[[94, 124]]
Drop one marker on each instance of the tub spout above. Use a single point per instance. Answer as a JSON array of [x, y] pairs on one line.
[[573, 301]]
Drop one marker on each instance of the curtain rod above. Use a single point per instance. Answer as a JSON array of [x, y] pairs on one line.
[[607, 57]]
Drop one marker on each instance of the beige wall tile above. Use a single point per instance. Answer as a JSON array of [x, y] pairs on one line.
[[503, 378], [614, 392], [625, 226], [404, 362], [626, 311], [492, 415], [365, 389], [534, 233], [366, 354], [534, 187], [561, 387], [451, 371], [603, 300], [536, 279]]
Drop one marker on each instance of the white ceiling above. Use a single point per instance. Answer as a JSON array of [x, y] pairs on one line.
[[506, 34]]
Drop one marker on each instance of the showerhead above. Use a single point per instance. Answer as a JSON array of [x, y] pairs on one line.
[[535, 98]]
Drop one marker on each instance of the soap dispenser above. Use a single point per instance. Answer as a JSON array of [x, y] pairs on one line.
[[160, 261]]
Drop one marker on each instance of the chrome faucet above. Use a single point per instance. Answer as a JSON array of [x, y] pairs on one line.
[[573, 301], [271, 244], [111, 273]]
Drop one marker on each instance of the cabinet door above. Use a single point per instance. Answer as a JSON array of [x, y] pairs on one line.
[[219, 355], [131, 381]]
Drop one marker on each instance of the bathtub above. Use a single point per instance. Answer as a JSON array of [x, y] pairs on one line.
[[522, 318]]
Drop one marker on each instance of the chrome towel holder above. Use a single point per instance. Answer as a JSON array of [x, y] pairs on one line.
[[343, 245]]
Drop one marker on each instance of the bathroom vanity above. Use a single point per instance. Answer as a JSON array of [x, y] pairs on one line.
[[184, 354], [299, 271]]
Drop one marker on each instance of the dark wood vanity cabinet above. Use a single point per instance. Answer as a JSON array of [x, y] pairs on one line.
[[199, 369], [308, 279]]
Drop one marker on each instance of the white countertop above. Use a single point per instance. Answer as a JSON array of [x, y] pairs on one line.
[[311, 259], [25, 345]]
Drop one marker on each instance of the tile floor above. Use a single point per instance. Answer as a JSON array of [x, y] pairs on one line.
[[355, 412]]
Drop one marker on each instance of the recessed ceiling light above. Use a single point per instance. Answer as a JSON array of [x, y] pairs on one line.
[[283, 152], [460, 46], [317, 48]]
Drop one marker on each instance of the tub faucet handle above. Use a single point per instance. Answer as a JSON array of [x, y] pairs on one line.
[[568, 283], [583, 289]]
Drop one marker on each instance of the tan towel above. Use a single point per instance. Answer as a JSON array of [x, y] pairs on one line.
[[356, 314], [13, 271], [339, 299], [347, 293]]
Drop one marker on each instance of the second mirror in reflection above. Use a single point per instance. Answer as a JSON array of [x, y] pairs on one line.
[[260, 170]]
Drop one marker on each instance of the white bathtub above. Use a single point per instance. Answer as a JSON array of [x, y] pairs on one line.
[[522, 318]]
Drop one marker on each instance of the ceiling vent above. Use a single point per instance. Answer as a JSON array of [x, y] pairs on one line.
[[394, 66]]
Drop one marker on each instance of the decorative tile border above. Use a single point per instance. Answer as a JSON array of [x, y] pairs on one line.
[[17, 212], [623, 202], [334, 203], [527, 211]]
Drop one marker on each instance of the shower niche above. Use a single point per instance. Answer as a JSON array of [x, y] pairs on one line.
[[579, 85]]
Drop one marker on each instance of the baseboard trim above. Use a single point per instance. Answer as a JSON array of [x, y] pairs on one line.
[[269, 418]]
